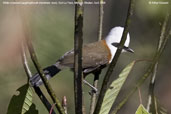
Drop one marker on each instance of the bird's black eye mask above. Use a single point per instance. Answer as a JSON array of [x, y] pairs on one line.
[[124, 47]]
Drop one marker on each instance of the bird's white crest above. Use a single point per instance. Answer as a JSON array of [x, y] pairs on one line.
[[114, 36]]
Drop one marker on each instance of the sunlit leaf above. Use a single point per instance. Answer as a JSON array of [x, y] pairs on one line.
[[114, 89], [141, 110], [21, 103]]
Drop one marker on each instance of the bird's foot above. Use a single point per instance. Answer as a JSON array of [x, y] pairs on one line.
[[94, 89], [92, 92]]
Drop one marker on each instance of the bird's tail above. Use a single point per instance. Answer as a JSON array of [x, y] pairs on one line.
[[49, 72]]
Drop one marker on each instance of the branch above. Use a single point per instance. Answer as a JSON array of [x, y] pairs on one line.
[[64, 104], [96, 76], [145, 76], [42, 76], [25, 62], [101, 12], [29, 74], [153, 77], [115, 59], [78, 41], [94, 95]]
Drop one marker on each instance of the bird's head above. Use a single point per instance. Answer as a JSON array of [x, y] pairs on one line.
[[113, 39]]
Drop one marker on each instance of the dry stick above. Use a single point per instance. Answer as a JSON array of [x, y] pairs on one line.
[[101, 12], [153, 77], [29, 75], [78, 41], [140, 96], [145, 76], [25, 63], [64, 104], [114, 61], [94, 95], [42, 75], [96, 76]]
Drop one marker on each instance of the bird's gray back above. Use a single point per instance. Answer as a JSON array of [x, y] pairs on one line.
[[94, 54]]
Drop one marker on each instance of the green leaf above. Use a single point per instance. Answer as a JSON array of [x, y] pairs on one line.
[[32, 110], [114, 89], [141, 110], [20, 104]]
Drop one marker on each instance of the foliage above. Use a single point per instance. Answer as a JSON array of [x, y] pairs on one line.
[[114, 89], [141, 110], [22, 103]]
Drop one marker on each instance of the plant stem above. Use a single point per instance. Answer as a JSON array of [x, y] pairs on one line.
[[78, 41], [94, 95], [145, 76], [29, 74], [96, 76], [64, 104], [153, 77], [43, 77], [115, 59], [101, 12]]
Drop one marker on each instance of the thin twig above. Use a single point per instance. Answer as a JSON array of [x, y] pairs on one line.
[[114, 61], [29, 74], [101, 12], [51, 110], [145, 76], [94, 95], [64, 104], [78, 41], [140, 96], [25, 62], [96, 76], [153, 77], [24, 59], [43, 77]]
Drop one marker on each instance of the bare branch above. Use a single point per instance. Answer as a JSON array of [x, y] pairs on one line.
[[96, 76], [145, 76], [25, 62], [153, 77], [78, 41], [115, 59], [94, 95], [64, 104], [29, 74], [43, 77], [101, 12]]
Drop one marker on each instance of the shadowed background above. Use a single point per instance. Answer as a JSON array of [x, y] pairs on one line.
[[51, 28]]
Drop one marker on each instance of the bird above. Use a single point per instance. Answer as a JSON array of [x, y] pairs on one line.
[[96, 55]]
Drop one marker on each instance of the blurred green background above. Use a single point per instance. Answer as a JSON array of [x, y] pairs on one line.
[[52, 29]]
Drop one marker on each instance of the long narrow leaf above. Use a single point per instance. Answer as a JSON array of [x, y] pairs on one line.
[[142, 110], [20, 104], [114, 89]]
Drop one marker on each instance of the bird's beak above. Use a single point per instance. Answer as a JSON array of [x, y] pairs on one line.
[[124, 48], [128, 49]]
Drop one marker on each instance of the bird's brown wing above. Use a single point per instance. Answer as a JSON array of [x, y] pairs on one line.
[[94, 54]]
